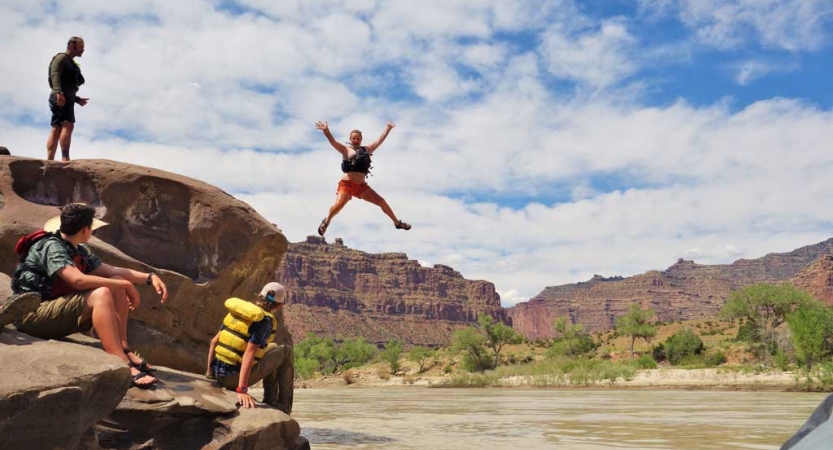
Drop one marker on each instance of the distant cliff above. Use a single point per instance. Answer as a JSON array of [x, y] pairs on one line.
[[685, 290], [337, 291]]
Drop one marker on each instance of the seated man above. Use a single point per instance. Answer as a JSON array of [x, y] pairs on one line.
[[79, 292], [243, 352]]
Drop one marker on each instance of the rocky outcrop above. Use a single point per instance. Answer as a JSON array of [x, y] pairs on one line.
[[206, 245], [684, 291], [53, 392], [817, 279], [338, 291], [66, 396], [187, 411]]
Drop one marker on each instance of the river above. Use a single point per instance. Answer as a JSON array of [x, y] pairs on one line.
[[531, 419]]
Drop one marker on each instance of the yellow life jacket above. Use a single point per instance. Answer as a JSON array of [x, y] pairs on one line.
[[234, 336]]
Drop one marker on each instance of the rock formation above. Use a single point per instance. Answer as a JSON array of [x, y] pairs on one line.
[[335, 290], [187, 411], [64, 395], [684, 291], [53, 392], [206, 245], [817, 279]]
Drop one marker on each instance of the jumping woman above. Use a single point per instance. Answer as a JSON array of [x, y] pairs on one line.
[[356, 166]]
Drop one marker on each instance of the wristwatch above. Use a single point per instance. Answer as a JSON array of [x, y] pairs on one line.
[[150, 275], [242, 389]]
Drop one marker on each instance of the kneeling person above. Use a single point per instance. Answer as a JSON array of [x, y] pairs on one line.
[[244, 351]]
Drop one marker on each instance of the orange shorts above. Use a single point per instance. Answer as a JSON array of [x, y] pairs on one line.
[[352, 188]]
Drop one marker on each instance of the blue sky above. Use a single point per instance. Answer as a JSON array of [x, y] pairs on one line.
[[538, 142]]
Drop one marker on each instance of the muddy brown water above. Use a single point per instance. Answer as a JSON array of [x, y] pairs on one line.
[[530, 419]]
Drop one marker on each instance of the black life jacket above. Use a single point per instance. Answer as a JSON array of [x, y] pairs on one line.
[[49, 289], [361, 163], [70, 79]]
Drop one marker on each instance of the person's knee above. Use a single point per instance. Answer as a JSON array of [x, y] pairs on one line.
[[101, 298]]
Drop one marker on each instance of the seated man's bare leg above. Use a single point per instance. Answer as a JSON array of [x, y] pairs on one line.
[[101, 308], [122, 306]]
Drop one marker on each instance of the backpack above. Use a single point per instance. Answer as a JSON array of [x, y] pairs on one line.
[[26, 242], [48, 288]]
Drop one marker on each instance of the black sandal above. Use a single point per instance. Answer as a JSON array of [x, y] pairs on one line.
[[134, 380], [143, 366], [402, 225], [323, 227]]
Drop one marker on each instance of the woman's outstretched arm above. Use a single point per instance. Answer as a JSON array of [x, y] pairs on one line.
[[341, 148], [370, 148]]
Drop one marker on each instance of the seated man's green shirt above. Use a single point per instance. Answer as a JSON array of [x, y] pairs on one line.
[[50, 255]]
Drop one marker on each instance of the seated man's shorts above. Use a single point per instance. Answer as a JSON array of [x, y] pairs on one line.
[[57, 318], [61, 114], [352, 188]]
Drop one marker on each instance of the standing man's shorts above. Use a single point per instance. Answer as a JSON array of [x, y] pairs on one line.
[[62, 114], [57, 318], [352, 188]]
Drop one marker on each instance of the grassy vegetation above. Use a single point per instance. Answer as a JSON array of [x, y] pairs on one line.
[[748, 339]]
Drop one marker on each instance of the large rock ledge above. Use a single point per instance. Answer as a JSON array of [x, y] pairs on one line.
[[53, 392], [62, 395]]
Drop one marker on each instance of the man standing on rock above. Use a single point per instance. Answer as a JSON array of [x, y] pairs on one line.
[[64, 79], [79, 292], [243, 352]]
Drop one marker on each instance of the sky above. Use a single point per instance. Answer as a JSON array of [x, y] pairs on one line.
[[537, 142]]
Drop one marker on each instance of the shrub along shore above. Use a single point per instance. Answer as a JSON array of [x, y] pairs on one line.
[[767, 337]]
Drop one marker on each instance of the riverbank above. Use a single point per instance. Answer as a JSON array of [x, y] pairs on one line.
[[662, 378]]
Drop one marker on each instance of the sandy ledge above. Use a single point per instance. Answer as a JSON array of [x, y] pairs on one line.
[[713, 378]]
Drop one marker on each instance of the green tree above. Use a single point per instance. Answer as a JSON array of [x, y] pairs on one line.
[[421, 356], [497, 334], [681, 344], [571, 339], [472, 343], [764, 307], [391, 354], [635, 324], [354, 352], [811, 331]]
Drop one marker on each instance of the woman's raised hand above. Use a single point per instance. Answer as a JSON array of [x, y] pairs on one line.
[[323, 126], [391, 124]]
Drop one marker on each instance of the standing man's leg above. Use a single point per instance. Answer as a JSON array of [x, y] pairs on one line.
[[63, 123], [52, 141], [66, 139]]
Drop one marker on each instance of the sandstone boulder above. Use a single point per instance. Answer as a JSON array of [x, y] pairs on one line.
[[52, 392], [205, 244], [186, 411]]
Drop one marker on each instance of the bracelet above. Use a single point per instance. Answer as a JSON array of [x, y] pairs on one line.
[[150, 275]]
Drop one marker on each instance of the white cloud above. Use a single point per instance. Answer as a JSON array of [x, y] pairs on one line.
[[598, 58], [748, 71], [783, 24], [504, 177]]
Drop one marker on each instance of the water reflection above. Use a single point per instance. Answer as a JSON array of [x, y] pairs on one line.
[[530, 419]]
